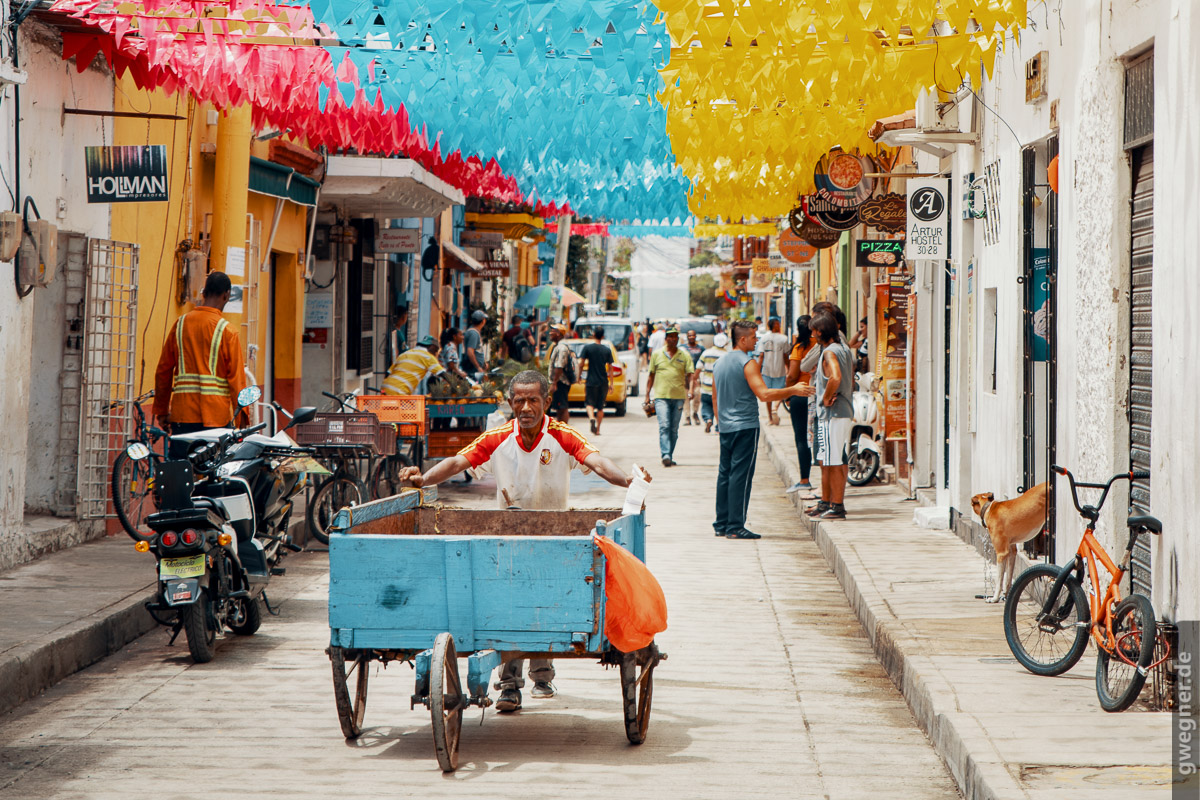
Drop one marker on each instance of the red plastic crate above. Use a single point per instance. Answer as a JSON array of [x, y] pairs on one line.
[[408, 409]]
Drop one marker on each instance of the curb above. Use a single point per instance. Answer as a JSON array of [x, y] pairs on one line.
[[960, 741], [28, 670]]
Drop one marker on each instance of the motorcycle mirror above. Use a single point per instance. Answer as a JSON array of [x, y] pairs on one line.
[[302, 415], [137, 451], [249, 396]]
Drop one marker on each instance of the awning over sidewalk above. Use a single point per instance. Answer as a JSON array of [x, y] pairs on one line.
[[457, 258], [276, 180], [391, 188]]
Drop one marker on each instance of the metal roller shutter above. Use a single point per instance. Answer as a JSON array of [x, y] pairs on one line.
[[1141, 353]]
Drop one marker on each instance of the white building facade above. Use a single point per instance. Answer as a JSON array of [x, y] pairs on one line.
[[1061, 330]]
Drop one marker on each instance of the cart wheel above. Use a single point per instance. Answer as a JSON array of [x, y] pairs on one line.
[[446, 701], [350, 714], [637, 689]]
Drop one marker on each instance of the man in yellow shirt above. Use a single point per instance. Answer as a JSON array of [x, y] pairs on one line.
[[413, 366]]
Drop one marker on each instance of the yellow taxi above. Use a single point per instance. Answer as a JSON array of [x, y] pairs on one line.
[[618, 392]]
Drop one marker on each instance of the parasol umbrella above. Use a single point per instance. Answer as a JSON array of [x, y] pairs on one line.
[[543, 296]]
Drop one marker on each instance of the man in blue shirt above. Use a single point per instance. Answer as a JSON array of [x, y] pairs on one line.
[[738, 386]]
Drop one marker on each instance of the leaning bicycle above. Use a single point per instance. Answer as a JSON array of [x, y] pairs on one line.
[[133, 479], [1051, 610]]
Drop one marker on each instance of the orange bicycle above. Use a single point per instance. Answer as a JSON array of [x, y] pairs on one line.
[[1047, 615]]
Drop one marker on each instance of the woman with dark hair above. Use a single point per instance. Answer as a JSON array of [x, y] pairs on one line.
[[798, 406]]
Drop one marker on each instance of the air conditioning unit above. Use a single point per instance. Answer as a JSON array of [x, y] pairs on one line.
[[933, 116], [39, 254]]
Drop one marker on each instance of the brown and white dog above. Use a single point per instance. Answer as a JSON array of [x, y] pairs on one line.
[[1010, 523]]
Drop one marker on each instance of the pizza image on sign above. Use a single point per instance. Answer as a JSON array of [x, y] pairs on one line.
[[841, 179]]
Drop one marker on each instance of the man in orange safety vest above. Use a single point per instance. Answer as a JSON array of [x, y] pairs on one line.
[[201, 369]]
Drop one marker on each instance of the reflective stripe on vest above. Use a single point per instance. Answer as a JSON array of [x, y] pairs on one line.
[[194, 382]]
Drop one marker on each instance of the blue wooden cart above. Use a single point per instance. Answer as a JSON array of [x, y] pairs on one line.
[[413, 581]]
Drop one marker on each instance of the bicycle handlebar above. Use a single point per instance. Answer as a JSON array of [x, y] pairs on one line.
[[1092, 512]]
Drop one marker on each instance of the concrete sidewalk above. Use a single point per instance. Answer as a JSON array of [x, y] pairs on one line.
[[71, 608], [1003, 732]]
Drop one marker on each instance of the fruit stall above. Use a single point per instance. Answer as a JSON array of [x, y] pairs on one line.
[[456, 399]]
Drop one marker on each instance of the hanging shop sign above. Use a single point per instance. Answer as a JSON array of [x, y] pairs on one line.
[[888, 213], [878, 252], [762, 275], [833, 217], [810, 230], [841, 179], [795, 249], [397, 240], [1039, 319], [928, 222], [494, 268], [126, 174], [485, 239], [891, 310]]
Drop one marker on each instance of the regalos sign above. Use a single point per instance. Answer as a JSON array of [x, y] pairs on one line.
[[135, 174]]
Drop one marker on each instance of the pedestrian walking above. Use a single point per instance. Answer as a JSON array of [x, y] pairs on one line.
[[657, 339], [798, 406], [691, 409], [669, 387], [708, 360], [835, 416], [562, 373], [201, 371], [598, 360], [737, 388], [772, 360]]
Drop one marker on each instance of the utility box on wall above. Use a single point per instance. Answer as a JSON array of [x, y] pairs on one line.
[[38, 256]]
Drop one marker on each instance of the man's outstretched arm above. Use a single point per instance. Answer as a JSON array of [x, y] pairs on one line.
[[441, 471], [606, 469]]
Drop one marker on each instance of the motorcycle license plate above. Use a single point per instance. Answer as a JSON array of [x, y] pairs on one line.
[[185, 567]]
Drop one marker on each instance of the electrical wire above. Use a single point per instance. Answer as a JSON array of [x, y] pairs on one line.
[[178, 222]]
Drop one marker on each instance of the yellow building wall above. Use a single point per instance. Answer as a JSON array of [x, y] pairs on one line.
[[159, 228]]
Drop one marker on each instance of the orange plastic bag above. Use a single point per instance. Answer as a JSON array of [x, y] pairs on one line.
[[635, 607]]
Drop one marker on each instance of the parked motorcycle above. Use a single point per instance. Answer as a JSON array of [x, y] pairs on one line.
[[221, 526], [867, 430]]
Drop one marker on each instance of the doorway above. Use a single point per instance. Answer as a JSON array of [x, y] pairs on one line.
[[1040, 330]]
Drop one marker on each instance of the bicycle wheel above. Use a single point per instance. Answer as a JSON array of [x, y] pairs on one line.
[[331, 497], [1120, 674], [385, 482], [1047, 635], [133, 495]]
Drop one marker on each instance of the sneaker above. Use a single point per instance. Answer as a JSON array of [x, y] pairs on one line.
[[717, 532], [543, 690], [742, 534], [817, 510], [835, 511], [799, 486], [509, 700], [688, 422], [708, 426], [593, 424], [696, 418], [667, 461]]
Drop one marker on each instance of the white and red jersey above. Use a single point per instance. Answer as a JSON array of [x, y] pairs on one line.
[[538, 478]]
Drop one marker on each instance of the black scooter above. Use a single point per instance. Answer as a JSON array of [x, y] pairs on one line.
[[221, 527]]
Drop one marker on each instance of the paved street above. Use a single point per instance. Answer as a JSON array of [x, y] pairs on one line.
[[771, 688]]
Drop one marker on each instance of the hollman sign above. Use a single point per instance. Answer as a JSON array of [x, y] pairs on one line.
[[133, 174]]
